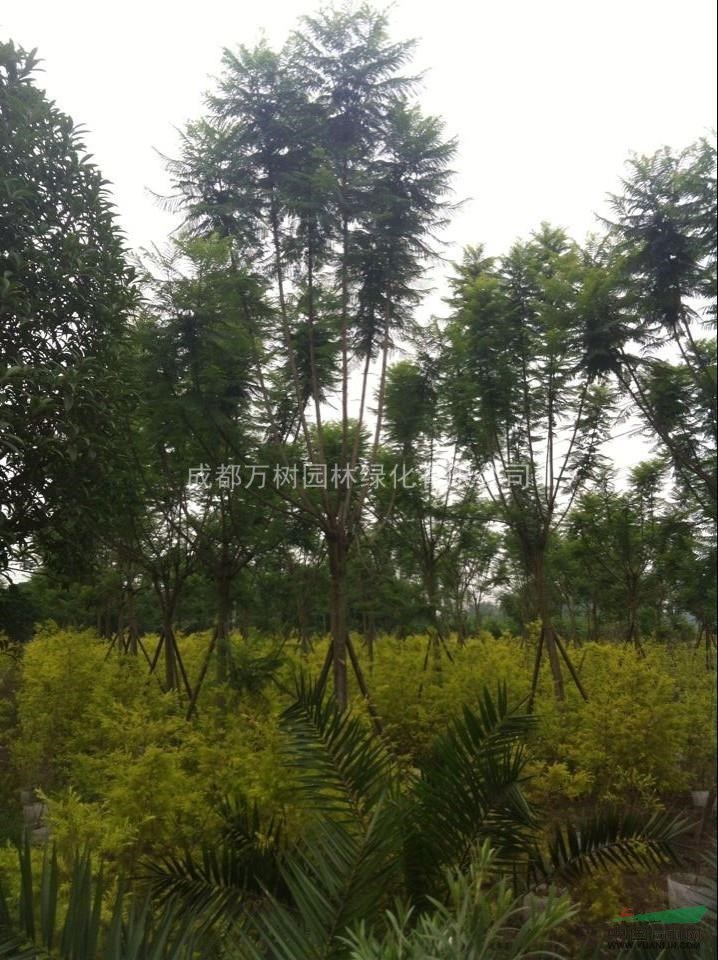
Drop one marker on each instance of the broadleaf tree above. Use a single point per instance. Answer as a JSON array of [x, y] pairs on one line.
[[65, 293]]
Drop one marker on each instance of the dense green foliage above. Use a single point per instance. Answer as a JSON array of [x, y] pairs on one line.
[[337, 634], [65, 290], [123, 772]]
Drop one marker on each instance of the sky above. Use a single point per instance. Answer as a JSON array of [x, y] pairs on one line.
[[547, 97]]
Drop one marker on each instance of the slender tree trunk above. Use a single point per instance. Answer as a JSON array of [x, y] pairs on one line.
[[338, 614], [461, 628], [223, 615], [301, 610], [133, 632], [633, 621], [710, 643], [631, 636], [202, 674], [594, 619], [168, 637], [477, 611], [572, 621], [436, 637], [361, 682], [549, 636], [370, 638], [431, 592]]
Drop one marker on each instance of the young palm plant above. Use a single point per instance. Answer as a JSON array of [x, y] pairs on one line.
[[381, 834]]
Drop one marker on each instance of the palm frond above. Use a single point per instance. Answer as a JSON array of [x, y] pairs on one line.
[[609, 839], [250, 674], [471, 787], [221, 883], [341, 766], [336, 877]]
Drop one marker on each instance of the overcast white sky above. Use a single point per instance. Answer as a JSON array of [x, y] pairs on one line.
[[547, 97]]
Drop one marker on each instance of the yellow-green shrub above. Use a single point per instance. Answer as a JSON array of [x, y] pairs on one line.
[[122, 768], [125, 771], [637, 736], [416, 705]]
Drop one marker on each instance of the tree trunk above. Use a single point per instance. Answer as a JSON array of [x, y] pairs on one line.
[[477, 598], [631, 627], [302, 618], [549, 637], [461, 628], [633, 636], [370, 638], [594, 619], [338, 614], [430, 587], [133, 631], [168, 638], [573, 622], [223, 615]]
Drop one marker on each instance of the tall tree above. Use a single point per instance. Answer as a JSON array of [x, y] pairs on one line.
[[621, 537], [437, 522], [203, 343], [65, 290], [662, 255], [524, 409], [331, 184], [194, 349]]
